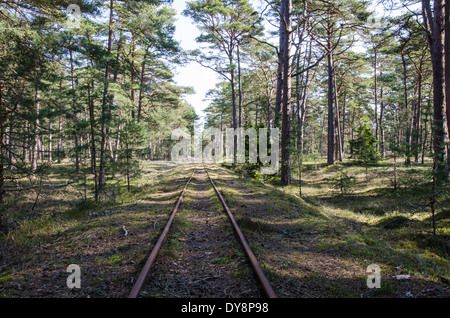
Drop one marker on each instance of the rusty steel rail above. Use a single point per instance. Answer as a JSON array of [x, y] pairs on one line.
[[268, 290], [151, 259]]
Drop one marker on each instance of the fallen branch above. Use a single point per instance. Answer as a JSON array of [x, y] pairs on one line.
[[203, 279]]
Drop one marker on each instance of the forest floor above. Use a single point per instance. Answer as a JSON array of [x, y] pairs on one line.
[[319, 245]]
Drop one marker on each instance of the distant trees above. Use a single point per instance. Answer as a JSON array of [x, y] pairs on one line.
[[225, 26], [322, 90], [89, 92]]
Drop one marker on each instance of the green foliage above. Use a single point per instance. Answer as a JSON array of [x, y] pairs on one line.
[[134, 137], [68, 96], [363, 148], [81, 210], [343, 182]]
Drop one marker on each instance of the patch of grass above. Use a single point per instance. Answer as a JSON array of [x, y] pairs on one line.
[[4, 279], [172, 249], [70, 261], [4, 276], [82, 209], [226, 259], [237, 275], [62, 228], [338, 289], [386, 289], [247, 223], [374, 223], [360, 238], [115, 259], [393, 222], [41, 228], [221, 260], [438, 244], [5, 273]]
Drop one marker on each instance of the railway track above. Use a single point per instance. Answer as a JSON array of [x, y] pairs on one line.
[[143, 276]]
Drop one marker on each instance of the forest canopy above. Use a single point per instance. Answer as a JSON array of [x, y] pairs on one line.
[[99, 94]]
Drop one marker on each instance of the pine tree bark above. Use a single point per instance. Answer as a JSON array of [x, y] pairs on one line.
[[447, 75], [279, 92], [405, 113], [375, 66], [141, 89], [93, 148], [34, 149], [60, 142], [101, 177], [50, 142], [77, 153], [233, 100], [2, 149], [24, 143], [331, 119], [285, 129], [338, 143], [380, 125], [434, 24], [239, 85], [418, 117]]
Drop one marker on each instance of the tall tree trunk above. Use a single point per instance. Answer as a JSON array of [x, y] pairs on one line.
[[434, 23], [24, 142], [344, 104], [375, 66], [418, 118], [34, 149], [285, 129], [380, 125], [133, 49], [425, 137], [338, 143], [60, 143], [141, 89], [93, 148], [239, 86], [2, 150], [233, 100], [233, 96], [105, 106], [41, 148], [50, 140], [406, 116], [447, 74], [280, 79], [77, 153], [331, 119], [75, 110], [10, 142]]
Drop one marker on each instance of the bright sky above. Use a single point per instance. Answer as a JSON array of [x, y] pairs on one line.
[[193, 74]]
